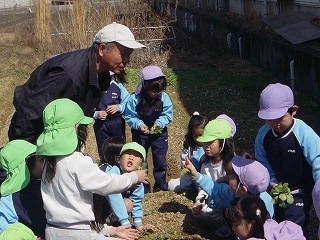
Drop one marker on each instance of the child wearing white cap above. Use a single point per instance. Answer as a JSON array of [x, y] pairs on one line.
[[290, 150], [70, 178], [149, 111], [80, 75]]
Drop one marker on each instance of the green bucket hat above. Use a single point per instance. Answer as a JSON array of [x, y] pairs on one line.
[[216, 129], [17, 231], [60, 136], [136, 147], [12, 160]]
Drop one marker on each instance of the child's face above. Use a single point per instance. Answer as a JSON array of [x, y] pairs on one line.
[[130, 160], [154, 94], [281, 124], [242, 229], [236, 186], [212, 149], [197, 132]]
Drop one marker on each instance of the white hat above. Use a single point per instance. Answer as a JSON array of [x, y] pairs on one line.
[[119, 33]]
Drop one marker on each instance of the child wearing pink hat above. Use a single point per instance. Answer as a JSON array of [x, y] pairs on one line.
[[290, 150], [250, 220], [149, 110]]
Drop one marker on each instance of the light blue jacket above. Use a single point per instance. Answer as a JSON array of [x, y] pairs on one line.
[[117, 204]]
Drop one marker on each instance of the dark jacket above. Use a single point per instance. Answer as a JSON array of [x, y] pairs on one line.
[[70, 75]]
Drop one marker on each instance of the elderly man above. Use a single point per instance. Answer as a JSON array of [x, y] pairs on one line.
[[79, 75]]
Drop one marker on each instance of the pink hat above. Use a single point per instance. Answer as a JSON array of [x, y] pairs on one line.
[[232, 123], [252, 174], [149, 73], [282, 231], [275, 100]]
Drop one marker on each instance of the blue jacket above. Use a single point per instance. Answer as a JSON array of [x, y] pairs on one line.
[[116, 94], [25, 206], [220, 195], [117, 205], [293, 157], [162, 117]]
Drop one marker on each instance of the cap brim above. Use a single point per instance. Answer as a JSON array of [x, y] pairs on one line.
[[86, 120], [267, 114], [17, 180], [204, 139], [131, 44]]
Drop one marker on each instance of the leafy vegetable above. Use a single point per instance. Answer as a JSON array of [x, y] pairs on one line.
[[142, 167], [281, 195], [156, 130], [184, 171]]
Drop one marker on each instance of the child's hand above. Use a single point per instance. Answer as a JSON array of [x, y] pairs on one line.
[[144, 129], [112, 109], [125, 232], [145, 226], [196, 209], [102, 115], [142, 176], [193, 172]]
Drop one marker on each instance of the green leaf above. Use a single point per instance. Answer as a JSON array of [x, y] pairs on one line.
[[185, 171], [156, 130], [290, 199], [283, 197], [142, 167]]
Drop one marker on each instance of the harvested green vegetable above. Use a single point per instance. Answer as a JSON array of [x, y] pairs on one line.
[[281, 195], [142, 167], [156, 130], [184, 171]]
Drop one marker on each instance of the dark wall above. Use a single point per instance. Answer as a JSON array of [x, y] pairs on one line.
[[261, 47]]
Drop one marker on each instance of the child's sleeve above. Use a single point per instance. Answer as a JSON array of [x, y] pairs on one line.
[[131, 115], [261, 155], [124, 98], [117, 204], [219, 193], [196, 158], [137, 211], [310, 144], [167, 112]]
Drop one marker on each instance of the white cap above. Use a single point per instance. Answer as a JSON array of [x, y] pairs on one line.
[[119, 33]]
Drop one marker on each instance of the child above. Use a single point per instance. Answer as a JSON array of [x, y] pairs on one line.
[[21, 203], [149, 111], [250, 220], [191, 148], [252, 179], [218, 143], [290, 150], [70, 178], [132, 156], [199, 157], [108, 114]]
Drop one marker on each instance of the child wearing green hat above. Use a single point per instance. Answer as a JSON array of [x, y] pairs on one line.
[[132, 156], [21, 204], [217, 143], [70, 178]]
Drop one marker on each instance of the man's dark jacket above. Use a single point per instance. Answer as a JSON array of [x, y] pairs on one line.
[[70, 75]]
